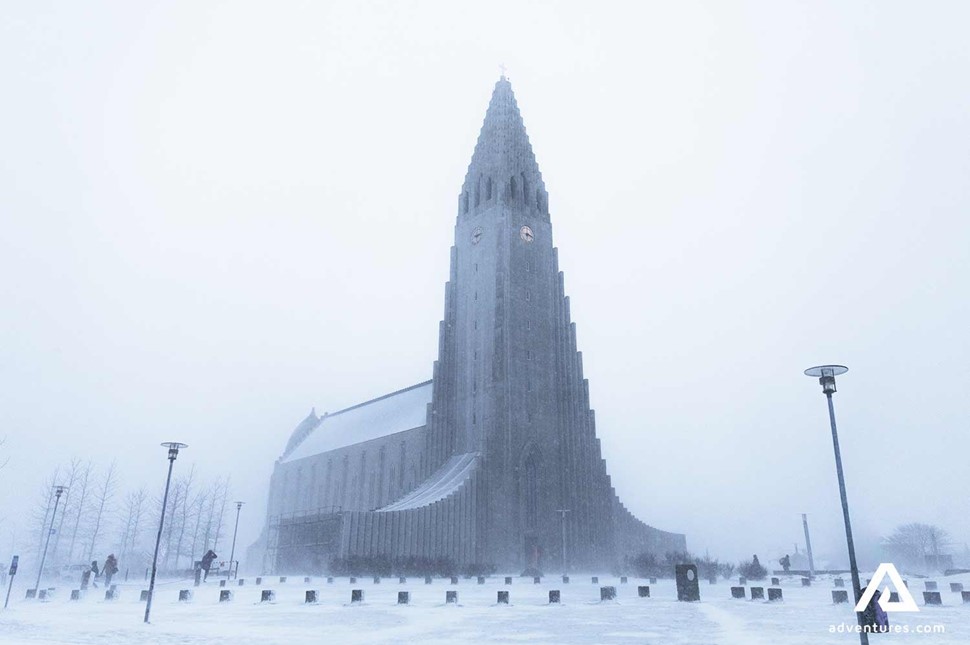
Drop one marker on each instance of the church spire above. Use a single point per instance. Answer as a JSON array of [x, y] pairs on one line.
[[503, 168]]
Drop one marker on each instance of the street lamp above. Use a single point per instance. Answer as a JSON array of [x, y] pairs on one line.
[[562, 514], [173, 452], [233, 552], [826, 377], [58, 491]]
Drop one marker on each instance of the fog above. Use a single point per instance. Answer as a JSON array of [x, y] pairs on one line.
[[216, 216]]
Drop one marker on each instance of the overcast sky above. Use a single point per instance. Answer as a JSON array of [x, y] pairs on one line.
[[216, 215]]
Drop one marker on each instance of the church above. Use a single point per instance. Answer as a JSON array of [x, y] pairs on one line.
[[494, 461]]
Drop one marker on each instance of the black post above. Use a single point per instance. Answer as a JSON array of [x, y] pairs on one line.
[[58, 491], [13, 571], [173, 451], [857, 587], [233, 551]]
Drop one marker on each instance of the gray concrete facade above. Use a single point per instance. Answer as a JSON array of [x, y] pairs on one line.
[[473, 464]]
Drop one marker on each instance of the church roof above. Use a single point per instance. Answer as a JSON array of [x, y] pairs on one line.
[[447, 480], [395, 412]]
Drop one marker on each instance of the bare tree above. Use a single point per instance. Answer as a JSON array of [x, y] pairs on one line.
[[103, 495], [198, 510], [912, 543], [175, 501], [184, 511], [221, 513], [134, 509], [80, 497]]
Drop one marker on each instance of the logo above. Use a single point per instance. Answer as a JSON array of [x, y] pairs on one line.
[[906, 603]]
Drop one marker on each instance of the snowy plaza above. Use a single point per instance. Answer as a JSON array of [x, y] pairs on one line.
[[804, 617]]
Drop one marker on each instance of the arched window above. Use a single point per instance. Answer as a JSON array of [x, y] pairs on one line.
[[488, 188], [512, 190], [478, 191], [525, 188], [539, 200]]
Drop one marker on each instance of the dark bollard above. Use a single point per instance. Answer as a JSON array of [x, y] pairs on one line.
[[757, 593], [956, 587], [353, 581], [840, 596], [774, 594], [775, 582], [806, 582], [31, 593], [259, 581], [932, 598], [185, 595], [565, 580], [653, 581], [267, 595], [222, 583], [595, 580], [404, 597], [742, 580], [966, 597], [622, 580], [42, 595], [737, 592], [329, 581], [356, 596], [451, 597], [508, 580], [241, 581], [377, 580], [307, 580], [75, 594], [225, 595], [282, 580], [454, 580], [503, 597], [839, 582], [553, 596], [688, 587], [481, 580], [198, 577], [643, 591], [310, 598], [607, 593], [536, 580], [111, 594], [144, 596], [402, 580], [427, 580]]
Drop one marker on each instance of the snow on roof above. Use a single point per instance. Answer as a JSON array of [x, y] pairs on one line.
[[395, 412], [448, 479]]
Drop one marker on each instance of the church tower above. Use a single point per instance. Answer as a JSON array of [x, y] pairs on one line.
[[509, 381]]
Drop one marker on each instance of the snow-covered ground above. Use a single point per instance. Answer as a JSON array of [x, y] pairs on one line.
[[804, 617]]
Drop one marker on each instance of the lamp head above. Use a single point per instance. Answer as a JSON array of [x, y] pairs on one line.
[[173, 448], [826, 376]]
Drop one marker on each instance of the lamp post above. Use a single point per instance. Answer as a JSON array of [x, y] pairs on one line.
[[234, 531], [58, 491], [826, 377], [562, 514], [173, 452]]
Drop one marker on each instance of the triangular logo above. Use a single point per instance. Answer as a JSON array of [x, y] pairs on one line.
[[906, 603]]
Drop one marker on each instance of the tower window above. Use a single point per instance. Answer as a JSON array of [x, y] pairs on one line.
[[528, 325], [512, 191], [488, 188]]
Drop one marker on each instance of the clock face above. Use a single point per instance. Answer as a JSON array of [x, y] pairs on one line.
[[477, 235], [526, 234]]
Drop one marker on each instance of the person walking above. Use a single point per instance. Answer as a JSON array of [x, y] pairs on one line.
[[207, 560], [110, 569]]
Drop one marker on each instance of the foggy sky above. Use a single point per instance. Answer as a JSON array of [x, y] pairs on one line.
[[214, 216]]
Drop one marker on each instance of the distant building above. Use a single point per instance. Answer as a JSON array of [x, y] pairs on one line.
[[474, 464]]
